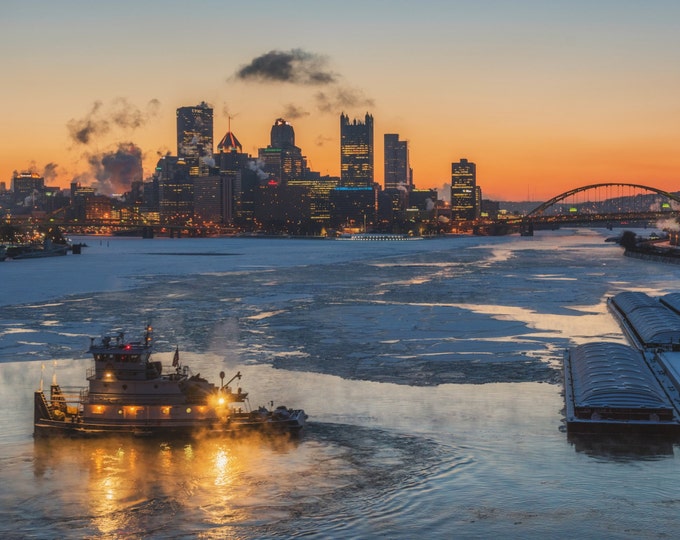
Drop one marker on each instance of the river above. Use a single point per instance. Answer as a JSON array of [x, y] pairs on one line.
[[430, 370]]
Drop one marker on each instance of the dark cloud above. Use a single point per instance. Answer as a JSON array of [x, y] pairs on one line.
[[295, 66], [321, 140], [305, 68], [120, 113], [340, 98], [293, 112]]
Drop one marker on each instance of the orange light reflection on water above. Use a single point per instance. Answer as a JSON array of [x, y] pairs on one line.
[[129, 487]]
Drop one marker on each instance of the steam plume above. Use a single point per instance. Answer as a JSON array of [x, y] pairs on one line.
[[113, 172], [341, 98], [304, 68], [99, 120], [293, 112]]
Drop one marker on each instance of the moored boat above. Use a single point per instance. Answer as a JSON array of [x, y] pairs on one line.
[[37, 251], [129, 393], [377, 237]]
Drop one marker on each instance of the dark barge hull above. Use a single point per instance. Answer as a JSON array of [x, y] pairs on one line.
[[46, 428], [613, 427], [238, 424]]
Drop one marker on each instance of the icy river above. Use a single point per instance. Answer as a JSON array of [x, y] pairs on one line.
[[430, 370]]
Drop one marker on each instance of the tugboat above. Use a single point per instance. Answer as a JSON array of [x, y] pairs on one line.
[[128, 393]]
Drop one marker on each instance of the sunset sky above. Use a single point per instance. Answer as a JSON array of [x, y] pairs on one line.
[[543, 96]]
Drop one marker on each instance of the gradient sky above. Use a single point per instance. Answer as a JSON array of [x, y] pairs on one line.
[[543, 96]]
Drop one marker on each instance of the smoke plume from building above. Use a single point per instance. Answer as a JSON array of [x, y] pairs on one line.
[[100, 119], [113, 172]]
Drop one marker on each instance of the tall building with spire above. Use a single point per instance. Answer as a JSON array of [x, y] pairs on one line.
[[195, 137], [398, 173], [232, 162], [356, 151]]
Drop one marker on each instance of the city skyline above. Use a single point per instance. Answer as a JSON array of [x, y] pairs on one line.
[[543, 98]]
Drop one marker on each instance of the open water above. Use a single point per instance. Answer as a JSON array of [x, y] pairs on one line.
[[431, 371]]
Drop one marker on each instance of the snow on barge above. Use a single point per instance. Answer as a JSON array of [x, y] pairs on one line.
[[616, 388], [130, 394]]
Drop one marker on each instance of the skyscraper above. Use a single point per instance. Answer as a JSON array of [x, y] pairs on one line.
[[463, 190], [282, 160], [231, 161], [175, 190], [397, 167], [282, 134], [195, 136], [356, 151]]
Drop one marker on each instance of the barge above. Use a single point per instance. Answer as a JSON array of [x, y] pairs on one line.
[[614, 388], [648, 323], [628, 389]]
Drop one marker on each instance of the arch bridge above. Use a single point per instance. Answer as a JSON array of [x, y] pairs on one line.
[[613, 202]]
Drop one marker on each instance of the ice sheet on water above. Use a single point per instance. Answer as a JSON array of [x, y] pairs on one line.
[[468, 310]]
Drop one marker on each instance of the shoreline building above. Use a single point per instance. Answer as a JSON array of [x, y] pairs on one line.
[[464, 190], [356, 151]]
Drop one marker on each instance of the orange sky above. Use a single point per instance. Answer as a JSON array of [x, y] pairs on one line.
[[544, 98]]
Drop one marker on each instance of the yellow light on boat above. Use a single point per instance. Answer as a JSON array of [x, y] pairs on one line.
[[108, 374], [98, 409], [120, 411], [221, 401], [201, 409], [188, 410], [165, 410], [132, 410]]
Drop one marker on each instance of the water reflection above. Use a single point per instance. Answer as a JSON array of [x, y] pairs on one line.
[[128, 487], [376, 457], [217, 487], [622, 448]]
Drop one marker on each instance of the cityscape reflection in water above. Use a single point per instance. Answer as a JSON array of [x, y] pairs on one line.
[[430, 371]]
